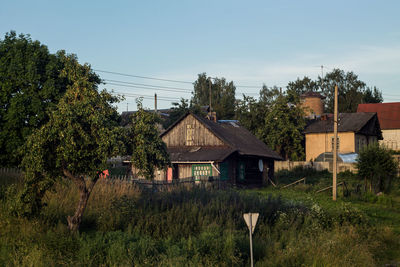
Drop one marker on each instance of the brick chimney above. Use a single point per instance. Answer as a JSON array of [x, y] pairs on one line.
[[212, 116]]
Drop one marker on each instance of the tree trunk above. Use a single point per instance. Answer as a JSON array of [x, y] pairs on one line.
[[84, 193], [75, 221]]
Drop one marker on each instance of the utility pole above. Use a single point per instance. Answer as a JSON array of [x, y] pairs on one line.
[[322, 72], [322, 89], [155, 103], [209, 87], [335, 125]]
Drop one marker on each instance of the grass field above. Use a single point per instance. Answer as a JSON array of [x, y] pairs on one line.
[[123, 226]]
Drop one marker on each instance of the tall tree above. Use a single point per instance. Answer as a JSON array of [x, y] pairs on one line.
[[352, 91], [222, 95], [148, 150], [372, 96], [81, 134], [249, 110], [301, 86], [282, 128], [179, 109], [30, 84]]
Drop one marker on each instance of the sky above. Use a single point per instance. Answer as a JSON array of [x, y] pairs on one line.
[[248, 42]]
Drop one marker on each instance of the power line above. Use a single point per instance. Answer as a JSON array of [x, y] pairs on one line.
[[155, 87], [165, 80], [149, 85], [168, 99], [143, 77], [148, 88], [141, 95]]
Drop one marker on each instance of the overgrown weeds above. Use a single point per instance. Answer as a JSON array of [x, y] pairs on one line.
[[123, 227]]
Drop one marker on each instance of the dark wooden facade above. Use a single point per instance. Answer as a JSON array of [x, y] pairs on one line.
[[202, 148]]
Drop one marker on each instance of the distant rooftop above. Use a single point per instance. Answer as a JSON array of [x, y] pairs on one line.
[[312, 94], [388, 113]]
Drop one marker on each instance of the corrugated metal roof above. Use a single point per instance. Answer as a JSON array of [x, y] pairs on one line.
[[388, 113], [347, 157]]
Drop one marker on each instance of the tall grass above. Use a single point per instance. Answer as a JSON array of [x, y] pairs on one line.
[[123, 227]]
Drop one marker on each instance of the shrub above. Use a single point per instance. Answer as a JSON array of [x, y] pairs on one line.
[[377, 167]]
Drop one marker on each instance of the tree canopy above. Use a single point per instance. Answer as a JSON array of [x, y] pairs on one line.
[[275, 118], [148, 150], [282, 128], [222, 92], [30, 84], [351, 90], [179, 109], [81, 134]]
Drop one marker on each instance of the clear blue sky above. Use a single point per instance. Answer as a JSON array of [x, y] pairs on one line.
[[249, 42]]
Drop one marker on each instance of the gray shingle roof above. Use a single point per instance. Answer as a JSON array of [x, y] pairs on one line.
[[199, 153], [236, 137], [347, 122]]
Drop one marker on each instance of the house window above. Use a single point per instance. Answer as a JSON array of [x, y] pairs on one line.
[[337, 144], [189, 135], [201, 170]]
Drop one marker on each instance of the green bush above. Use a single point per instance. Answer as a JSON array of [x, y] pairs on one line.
[[377, 167]]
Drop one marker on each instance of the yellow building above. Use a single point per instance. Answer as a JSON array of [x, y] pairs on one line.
[[355, 130]]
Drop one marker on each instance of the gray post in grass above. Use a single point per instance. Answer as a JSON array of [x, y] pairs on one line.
[[251, 221]]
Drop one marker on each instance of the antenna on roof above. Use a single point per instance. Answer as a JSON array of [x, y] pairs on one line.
[[322, 78]]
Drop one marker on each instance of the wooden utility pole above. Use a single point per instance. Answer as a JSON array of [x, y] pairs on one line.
[[155, 103], [209, 87], [335, 139]]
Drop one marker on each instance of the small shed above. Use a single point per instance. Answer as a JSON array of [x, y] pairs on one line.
[[202, 148]]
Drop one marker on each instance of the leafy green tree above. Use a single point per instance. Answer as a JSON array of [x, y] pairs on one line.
[[372, 96], [282, 128], [351, 91], [30, 84], [222, 95], [81, 134], [148, 150], [250, 110], [377, 167], [276, 119], [179, 109], [301, 86]]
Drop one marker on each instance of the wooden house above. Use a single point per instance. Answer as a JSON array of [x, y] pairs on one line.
[[203, 148], [355, 130]]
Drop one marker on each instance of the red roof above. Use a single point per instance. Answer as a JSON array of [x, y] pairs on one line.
[[388, 113]]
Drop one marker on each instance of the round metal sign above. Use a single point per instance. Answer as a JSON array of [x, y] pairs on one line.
[[260, 165]]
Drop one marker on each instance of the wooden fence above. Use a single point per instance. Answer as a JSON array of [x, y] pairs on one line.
[[157, 185], [319, 166]]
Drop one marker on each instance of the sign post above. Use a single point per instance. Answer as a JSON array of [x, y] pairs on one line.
[[251, 221]]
